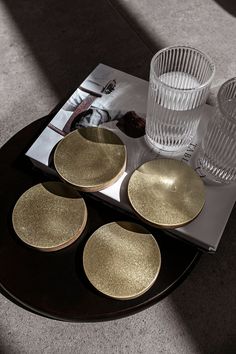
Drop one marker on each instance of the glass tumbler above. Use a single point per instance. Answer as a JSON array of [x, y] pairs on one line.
[[217, 157], [180, 79]]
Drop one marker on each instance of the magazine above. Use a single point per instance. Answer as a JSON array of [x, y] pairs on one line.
[[117, 101]]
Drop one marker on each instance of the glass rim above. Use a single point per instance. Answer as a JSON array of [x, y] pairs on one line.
[[205, 84], [221, 101]]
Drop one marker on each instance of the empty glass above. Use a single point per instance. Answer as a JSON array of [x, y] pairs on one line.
[[180, 78], [218, 149]]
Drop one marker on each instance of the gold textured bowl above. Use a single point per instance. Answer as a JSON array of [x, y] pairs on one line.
[[90, 158], [49, 216], [166, 193], [122, 260]]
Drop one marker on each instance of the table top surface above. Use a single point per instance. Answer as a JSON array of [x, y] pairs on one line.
[[54, 284]]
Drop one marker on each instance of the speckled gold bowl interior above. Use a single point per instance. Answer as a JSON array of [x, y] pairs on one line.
[[166, 193], [49, 216], [90, 159], [122, 260]]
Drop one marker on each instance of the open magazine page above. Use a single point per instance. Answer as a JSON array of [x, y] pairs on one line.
[[117, 101]]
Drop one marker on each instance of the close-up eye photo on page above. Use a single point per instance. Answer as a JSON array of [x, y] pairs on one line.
[[118, 177]]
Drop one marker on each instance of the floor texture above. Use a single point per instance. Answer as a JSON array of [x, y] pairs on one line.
[[46, 50]]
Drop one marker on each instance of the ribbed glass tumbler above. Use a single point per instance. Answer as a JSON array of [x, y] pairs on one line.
[[180, 79], [217, 157]]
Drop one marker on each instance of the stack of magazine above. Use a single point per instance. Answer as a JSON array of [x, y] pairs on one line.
[[117, 101]]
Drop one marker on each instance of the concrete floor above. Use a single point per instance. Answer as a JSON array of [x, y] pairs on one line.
[[46, 50]]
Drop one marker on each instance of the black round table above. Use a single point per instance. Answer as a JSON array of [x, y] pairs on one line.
[[54, 284]]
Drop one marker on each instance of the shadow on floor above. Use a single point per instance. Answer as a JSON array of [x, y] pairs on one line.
[[205, 302], [154, 44], [228, 5], [68, 39]]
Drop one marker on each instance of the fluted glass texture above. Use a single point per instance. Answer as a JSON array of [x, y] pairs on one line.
[[180, 78], [218, 150]]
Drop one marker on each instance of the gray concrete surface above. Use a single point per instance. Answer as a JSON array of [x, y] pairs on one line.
[[203, 24], [46, 50]]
